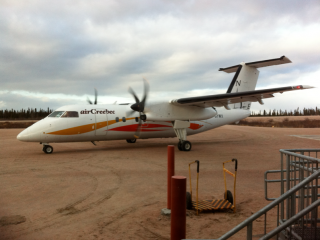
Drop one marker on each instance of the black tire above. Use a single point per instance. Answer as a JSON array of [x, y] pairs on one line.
[[180, 146], [189, 201], [186, 146], [229, 197], [47, 149], [133, 140]]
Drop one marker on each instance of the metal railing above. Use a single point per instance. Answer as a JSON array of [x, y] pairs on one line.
[[297, 208]]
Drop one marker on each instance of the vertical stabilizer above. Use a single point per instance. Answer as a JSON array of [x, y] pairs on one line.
[[246, 77], [244, 80]]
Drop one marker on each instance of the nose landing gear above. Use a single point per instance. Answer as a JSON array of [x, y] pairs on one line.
[[47, 149]]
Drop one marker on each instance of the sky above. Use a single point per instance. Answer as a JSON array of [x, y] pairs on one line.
[[54, 53]]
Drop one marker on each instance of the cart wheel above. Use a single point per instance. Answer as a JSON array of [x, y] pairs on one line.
[[229, 197], [189, 202]]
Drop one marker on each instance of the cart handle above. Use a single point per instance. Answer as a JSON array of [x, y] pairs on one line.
[[235, 160], [198, 165]]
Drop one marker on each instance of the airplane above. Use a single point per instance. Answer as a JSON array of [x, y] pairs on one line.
[[161, 119]]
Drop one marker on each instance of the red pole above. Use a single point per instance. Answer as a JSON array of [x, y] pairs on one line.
[[178, 209], [170, 173]]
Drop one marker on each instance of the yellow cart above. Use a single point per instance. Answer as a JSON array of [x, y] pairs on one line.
[[212, 205]]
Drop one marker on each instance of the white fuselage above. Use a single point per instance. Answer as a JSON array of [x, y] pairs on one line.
[[114, 122]]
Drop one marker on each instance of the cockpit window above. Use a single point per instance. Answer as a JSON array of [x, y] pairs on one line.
[[70, 114], [56, 114]]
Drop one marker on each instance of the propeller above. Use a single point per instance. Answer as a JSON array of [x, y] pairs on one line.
[[139, 105], [95, 97]]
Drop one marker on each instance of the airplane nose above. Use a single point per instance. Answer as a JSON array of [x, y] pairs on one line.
[[24, 135]]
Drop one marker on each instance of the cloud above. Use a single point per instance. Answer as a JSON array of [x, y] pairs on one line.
[[70, 47]]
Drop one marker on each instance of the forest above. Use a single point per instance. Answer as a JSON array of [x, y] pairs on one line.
[[36, 114], [24, 114], [296, 112]]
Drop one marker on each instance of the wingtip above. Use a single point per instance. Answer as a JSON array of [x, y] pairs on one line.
[[297, 87], [307, 86]]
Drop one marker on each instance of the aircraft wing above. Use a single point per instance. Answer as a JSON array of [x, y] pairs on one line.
[[223, 100]]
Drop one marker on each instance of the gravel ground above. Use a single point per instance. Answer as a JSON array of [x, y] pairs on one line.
[[116, 190]]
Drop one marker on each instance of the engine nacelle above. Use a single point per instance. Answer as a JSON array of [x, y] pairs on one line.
[[169, 112]]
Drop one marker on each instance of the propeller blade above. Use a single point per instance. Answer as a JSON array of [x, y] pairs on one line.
[[146, 91], [88, 100], [137, 134], [139, 106], [134, 95], [130, 113], [95, 96]]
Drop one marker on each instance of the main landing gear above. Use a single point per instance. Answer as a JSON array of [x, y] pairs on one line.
[[184, 145], [180, 128], [47, 149], [133, 140]]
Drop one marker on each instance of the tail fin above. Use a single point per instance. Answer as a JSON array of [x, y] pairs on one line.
[[246, 76]]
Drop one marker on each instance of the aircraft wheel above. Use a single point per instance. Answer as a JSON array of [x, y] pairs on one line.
[[189, 201], [180, 146], [47, 149], [133, 140], [186, 146]]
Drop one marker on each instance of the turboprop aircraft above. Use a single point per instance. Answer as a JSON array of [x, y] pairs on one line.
[[141, 120]]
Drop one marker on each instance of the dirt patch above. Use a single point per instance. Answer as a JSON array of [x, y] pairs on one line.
[[116, 190], [68, 210], [281, 122], [281, 118], [12, 220]]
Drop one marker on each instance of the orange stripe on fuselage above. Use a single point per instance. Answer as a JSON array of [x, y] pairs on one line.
[[85, 128], [75, 130]]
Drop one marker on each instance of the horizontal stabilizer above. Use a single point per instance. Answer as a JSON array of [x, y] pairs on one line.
[[258, 64], [223, 100]]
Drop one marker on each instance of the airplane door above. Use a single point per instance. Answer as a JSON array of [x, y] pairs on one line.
[[101, 122]]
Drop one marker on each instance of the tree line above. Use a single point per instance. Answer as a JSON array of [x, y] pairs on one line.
[[35, 114], [296, 112], [23, 114]]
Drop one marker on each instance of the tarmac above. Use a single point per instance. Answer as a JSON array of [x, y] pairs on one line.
[[116, 190]]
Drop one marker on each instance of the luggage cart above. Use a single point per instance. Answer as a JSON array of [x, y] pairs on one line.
[[212, 205]]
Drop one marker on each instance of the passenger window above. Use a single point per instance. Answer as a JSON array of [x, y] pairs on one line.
[[56, 114], [137, 119], [70, 114], [117, 119], [124, 119]]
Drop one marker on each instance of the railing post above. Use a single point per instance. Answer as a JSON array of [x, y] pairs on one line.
[[288, 186], [282, 188], [249, 231], [302, 191], [170, 173], [178, 208]]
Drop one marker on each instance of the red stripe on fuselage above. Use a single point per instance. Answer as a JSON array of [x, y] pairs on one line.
[[144, 128]]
